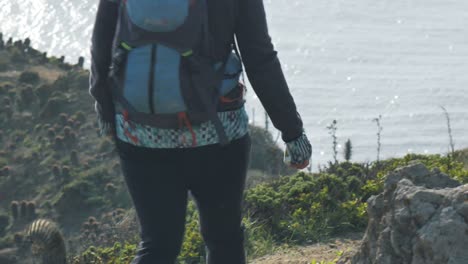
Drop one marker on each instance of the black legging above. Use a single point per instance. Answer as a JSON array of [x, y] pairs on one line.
[[158, 181]]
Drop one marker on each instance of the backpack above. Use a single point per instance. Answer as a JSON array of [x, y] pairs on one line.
[[164, 72]]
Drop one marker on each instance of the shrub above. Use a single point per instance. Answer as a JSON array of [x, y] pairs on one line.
[[29, 77], [193, 248], [118, 254], [305, 208]]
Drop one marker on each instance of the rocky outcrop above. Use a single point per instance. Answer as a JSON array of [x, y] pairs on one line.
[[420, 218]]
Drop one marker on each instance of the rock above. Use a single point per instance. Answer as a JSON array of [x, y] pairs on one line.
[[8, 256], [420, 218]]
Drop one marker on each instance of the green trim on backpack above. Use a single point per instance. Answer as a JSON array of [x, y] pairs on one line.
[[126, 46], [187, 53]]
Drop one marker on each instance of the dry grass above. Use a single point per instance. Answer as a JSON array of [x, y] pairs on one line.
[[46, 73], [325, 251]]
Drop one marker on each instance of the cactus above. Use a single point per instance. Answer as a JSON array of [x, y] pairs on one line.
[[80, 62], [8, 110], [47, 241], [18, 43], [65, 172], [18, 238], [58, 143], [92, 237], [27, 43], [67, 130], [56, 171], [27, 96], [110, 188], [23, 209], [74, 157], [14, 207], [70, 121], [80, 116], [31, 210], [94, 226], [91, 220], [85, 226], [77, 124], [73, 136], [43, 93], [63, 118]]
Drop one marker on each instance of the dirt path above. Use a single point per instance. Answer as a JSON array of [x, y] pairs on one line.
[[325, 251]]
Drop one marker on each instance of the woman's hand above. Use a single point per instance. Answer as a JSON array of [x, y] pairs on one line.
[[298, 152]]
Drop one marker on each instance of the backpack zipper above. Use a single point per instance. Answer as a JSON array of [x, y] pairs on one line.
[[151, 79]]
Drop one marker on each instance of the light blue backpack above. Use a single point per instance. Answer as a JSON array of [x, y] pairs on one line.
[[164, 72]]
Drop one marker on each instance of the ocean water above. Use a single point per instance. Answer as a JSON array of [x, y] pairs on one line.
[[346, 60]]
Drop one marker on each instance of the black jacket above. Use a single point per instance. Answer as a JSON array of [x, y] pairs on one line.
[[244, 18]]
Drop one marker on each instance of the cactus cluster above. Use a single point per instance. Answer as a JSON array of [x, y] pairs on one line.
[[24, 210], [58, 143], [111, 188], [47, 241], [105, 232], [61, 174], [91, 229], [63, 118], [51, 133]]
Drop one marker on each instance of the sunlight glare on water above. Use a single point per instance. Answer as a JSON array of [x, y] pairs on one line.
[[346, 60]]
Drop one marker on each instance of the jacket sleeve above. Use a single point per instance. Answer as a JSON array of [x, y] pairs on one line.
[[263, 69], [101, 54]]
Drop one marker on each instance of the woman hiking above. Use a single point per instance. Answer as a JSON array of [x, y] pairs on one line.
[[166, 77]]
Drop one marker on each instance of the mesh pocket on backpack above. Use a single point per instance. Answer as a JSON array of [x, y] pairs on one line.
[[158, 15]]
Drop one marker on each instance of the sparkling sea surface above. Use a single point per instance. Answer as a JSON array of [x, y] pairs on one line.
[[346, 60]]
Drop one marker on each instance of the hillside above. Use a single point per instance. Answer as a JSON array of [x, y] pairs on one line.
[[51, 157], [54, 165]]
